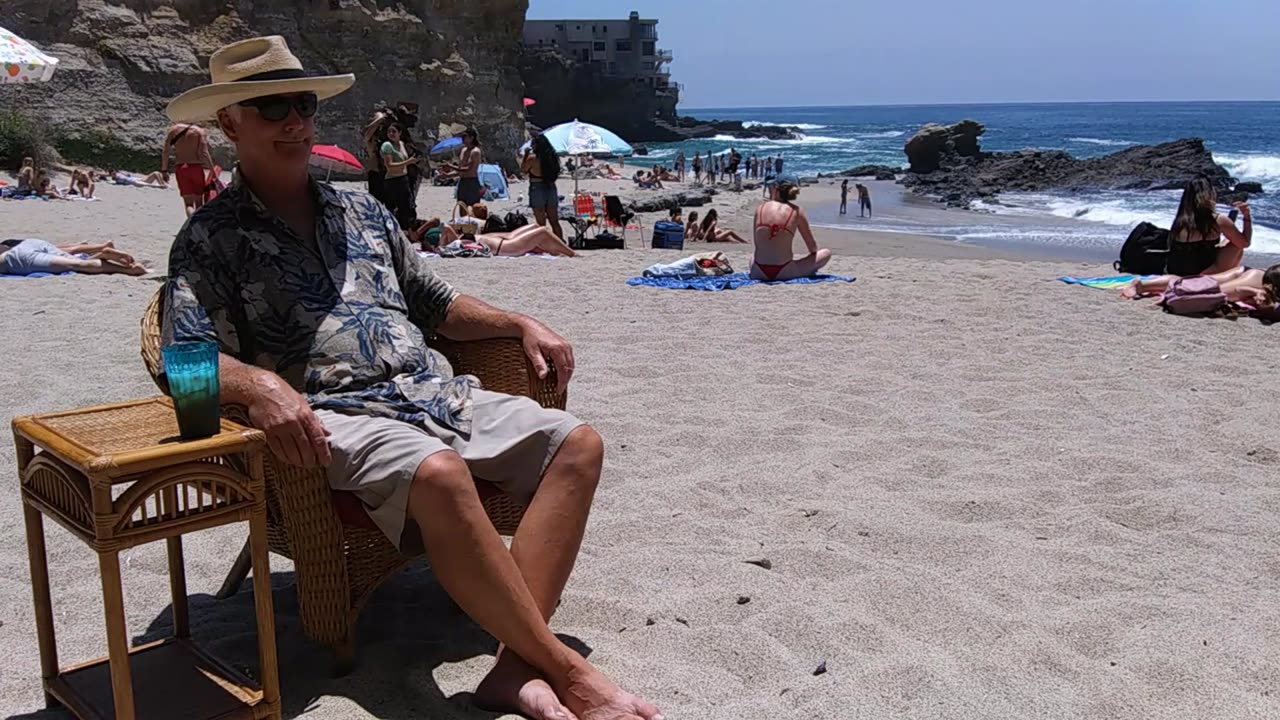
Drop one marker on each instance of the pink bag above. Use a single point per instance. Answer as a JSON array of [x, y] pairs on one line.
[[1196, 295]]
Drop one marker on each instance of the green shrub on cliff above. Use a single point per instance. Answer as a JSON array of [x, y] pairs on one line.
[[97, 148], [19, 138]]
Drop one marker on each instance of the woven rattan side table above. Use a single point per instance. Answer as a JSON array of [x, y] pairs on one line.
[[117, 476]]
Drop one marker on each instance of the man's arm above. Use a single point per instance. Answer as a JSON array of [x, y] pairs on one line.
[[372, 128], [164, 155], [205, 153], [437, 308]]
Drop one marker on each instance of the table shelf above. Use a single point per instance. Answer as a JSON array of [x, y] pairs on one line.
[[173, 680]]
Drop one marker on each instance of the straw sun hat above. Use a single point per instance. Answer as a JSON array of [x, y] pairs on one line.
[[249, 69]]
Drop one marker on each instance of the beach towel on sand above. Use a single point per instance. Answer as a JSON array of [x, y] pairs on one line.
[[1106, 282], [725, 282]]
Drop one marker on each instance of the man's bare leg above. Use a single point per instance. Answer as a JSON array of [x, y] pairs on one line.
[[94, 266], [478, 572], [545, 549], [189, 202]]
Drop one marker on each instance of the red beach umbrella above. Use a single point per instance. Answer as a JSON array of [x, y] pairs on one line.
[[530, 101], [332, 157]]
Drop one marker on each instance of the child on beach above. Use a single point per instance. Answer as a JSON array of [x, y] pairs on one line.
[[777, 222]]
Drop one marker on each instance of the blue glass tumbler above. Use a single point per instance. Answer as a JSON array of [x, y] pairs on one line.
[[191, 369]]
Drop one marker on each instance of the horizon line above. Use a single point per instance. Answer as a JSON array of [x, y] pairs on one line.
[[973, 103]]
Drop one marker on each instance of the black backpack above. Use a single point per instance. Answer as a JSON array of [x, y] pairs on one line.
[[494, 225], [1145, 252], [515, 220]]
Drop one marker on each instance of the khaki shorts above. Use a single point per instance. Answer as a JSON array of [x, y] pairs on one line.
[[512, 441]]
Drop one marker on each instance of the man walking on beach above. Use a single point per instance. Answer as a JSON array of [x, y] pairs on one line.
[[191, 146], [864, 201], [339, 375], [680, 166]]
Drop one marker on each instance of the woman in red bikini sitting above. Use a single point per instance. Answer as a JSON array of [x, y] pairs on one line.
[[777, 222]]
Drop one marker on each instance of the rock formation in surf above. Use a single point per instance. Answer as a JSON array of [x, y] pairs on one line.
[[123, 60], [948, 164]]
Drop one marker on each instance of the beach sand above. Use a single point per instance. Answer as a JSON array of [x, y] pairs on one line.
[[983, 493]]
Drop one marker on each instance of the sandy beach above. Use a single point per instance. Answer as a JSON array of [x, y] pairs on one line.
[[983, 493]]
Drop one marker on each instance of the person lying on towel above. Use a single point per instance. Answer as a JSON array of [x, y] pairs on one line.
[[24, 257]]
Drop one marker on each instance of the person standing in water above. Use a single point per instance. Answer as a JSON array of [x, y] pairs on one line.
[[864, 201]]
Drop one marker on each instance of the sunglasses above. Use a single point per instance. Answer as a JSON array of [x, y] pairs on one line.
[[274, 108]]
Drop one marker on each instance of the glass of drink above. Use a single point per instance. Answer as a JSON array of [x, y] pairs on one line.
[[191, 369]]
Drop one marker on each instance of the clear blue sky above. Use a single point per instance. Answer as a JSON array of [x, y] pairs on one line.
[[858, 52]]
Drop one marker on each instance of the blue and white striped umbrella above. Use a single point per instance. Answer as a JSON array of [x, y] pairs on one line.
[[579, 138]]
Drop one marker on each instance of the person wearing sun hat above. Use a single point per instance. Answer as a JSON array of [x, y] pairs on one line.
[[321, 307]]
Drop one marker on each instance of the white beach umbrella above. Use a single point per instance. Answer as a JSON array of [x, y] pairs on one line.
[[21, 62]]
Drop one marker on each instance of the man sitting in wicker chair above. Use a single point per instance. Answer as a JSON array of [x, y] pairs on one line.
[[316, 299]]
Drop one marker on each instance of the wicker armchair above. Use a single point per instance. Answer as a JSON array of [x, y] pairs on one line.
[[339, 555]]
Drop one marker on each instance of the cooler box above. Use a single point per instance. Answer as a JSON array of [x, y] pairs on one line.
[[668, 236]]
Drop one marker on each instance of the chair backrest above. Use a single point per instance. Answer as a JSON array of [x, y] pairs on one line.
[[584, 205], [149, 339], [613, 209]]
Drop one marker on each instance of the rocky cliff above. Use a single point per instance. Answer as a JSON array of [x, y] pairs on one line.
[[566, 90], [123, 60], [947, 163]]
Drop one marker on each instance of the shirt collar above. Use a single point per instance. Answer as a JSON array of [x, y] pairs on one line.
[[327, 197]]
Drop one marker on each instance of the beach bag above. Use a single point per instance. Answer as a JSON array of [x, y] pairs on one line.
[[1145, 251], [1196, 295], [712, 263], [515, 220], [494, 225]]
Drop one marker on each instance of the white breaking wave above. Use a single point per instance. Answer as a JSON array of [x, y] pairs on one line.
[[1099, 141], [761, 123], [1118, 211], [1258, 168], [885, 134]]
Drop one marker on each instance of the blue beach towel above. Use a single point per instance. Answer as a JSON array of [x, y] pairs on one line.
[[41, 274], [1106, 282], [726, 282]]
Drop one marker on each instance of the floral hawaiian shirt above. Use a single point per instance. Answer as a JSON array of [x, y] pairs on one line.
[[340, 318]]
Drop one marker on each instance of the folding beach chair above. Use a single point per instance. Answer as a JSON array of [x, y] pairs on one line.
[[617, 216]]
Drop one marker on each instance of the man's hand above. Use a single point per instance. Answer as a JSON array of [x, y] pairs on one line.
[[294, 433], [541, 343]]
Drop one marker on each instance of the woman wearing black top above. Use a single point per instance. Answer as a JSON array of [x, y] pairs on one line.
[[1198, 230], [542, 165]]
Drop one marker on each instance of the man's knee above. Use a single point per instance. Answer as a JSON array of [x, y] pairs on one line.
[[583, 452], [443, 473]]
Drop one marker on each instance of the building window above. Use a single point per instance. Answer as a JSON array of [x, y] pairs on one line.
[[606, 29], [623, 46], [648, 47], [599, 47], [560, 27], [579, 27]]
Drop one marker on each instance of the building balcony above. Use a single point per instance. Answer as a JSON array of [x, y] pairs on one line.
[[664, 56]]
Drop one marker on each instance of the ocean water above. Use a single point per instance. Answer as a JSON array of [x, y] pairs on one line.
[[1244, 137]]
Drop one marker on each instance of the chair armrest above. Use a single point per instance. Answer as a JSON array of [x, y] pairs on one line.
[[502, 366]]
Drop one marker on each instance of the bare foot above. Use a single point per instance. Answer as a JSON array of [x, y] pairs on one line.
[[1131, 291], [514, 686], [595, 697]]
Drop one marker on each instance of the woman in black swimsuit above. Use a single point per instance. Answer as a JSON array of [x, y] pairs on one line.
[[1198, 229], [542, 165]]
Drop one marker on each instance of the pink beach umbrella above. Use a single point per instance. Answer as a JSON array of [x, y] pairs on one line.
[[530, 101], [332, 157]]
